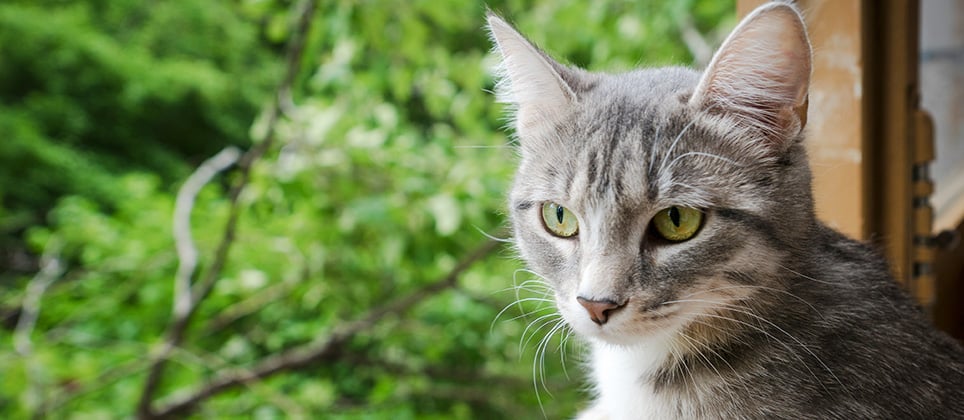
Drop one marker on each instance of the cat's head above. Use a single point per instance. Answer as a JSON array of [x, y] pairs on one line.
[[648, 198]]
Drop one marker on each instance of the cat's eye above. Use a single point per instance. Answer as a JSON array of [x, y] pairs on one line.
[[677, 224], [559, 220]]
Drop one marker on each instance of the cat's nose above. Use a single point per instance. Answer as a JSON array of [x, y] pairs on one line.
[[599, 310]]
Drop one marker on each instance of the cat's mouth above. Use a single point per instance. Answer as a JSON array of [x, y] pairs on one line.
[[638, 318], [622, 323], [600, 312]]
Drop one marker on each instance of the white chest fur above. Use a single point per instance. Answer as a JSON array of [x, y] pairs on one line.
[[621, 377]]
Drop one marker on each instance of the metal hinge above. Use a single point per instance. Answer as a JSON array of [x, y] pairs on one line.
[[923, 283]]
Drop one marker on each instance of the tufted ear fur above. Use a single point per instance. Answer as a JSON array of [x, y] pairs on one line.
[[530, 80], [761, 74]]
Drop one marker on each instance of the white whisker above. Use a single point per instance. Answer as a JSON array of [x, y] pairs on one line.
[[652, 154], [532, 312], [541, 352], [767, 334], [709, 155], [702, 344], [523, 341], [662, 163], [806, 276], [734, 308], [494, 238], [751, 286], [562, 349], [524, 313]]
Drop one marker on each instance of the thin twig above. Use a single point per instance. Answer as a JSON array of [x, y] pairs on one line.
[[176, 330], [187, 254], [265, 296], [253, 303], [326, 348], [99, 383], [51, 268]]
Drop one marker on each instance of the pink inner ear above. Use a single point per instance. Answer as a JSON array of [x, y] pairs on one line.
[[530, 79], [761, 74]]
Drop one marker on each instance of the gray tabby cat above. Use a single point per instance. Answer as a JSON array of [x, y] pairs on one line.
[[671, 213]]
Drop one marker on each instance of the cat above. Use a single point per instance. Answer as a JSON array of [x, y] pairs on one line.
[[671, 213]]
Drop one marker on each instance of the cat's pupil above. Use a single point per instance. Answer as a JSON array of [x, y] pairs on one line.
[[559, 213], [673, 215]]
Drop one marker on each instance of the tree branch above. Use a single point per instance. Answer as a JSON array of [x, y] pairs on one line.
[[323, 349], [701, 50], [174, 334]]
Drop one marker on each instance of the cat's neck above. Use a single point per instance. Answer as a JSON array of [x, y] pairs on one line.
[[624, 377]]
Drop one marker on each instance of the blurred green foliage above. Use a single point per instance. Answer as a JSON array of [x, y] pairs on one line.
[[390, 164], [92, 89]]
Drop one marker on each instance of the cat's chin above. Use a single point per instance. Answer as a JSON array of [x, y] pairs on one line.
[[623, 338]]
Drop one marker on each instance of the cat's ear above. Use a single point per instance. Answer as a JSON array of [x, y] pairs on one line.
[[530, 80], [761, 74]]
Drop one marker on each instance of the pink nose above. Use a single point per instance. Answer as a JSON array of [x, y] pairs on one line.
[[599, 310]]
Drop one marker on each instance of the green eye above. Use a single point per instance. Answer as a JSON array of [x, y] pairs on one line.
[[559, 220], [678, 223]]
